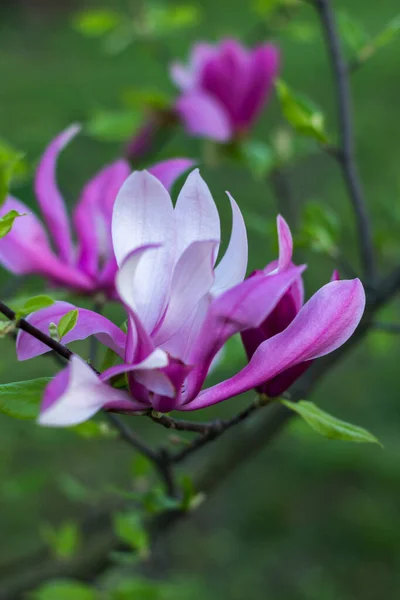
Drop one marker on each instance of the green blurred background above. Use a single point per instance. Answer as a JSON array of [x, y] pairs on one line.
[[307, 519]]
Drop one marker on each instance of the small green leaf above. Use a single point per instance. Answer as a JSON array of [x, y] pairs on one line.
[[114, 126], [93, 429], [64, 589], [301, 113], [7, 221], [328, 426], [64, 541], [129, 528], [145, 98], [12, 167], [353, 33], [109, 359], [162, 20], [21, 399], [35, 303], [319, 229], [67, 323], [390, 32], [96, 22], [6, 327], [73, 489], [265, 8], [259, 157]]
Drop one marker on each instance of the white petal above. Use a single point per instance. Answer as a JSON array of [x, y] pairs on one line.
[[143, 283], [192, 278], [197, 216], [231, 270], [143, 214], [84, 395]]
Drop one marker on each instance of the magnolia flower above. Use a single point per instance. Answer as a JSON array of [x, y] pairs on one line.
[[91, 266], [182, 309], [224, 87]]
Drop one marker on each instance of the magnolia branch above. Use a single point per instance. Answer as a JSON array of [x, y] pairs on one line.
[[346, 154]]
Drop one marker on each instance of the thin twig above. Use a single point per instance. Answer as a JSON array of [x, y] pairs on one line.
[[35, 332], [219, 427], [346, 156]]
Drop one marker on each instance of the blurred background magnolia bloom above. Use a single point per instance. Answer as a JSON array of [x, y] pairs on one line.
[[224, 88], [89, 266]]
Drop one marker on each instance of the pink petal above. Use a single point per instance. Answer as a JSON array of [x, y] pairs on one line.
[[183, 76], [22, 248], [143, 214], [325, 322], [143, 282], [192, 278], [76, 394], [196, 215], [204, 116], [244, 306], [263, 70], [95, 207], [231, 270], [49, 198], [168, 171], [89, 323]]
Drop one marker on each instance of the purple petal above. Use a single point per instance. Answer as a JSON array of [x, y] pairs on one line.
[[244, 306], [192, 279], [89, 323], [263, 71], [325, 322], [76, 394], [21, 250], [226, 77], [168, 171], [204, 116], [196, 215], [95, 207], [187, 77], [143, 214], [231, 270], [49, 198]]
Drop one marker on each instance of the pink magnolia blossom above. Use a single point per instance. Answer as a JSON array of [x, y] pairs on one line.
[[224, 88], [182, 309], [89, 266]]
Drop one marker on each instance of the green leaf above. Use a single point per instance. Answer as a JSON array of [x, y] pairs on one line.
[[7, 221], [301, 113], [12, 167], [328, 426], [137, 587], [73, 489], [64, 589], [94, 429], [388, 34], [67, 323], [6, 327], [352, 32], [21, 399], [96, 22], [145, 98], [259, 157], [109, 359], [64, 541], [114, 126], [265, 8], [162, 19], [35, 303], [129, 528], [319, 229]]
